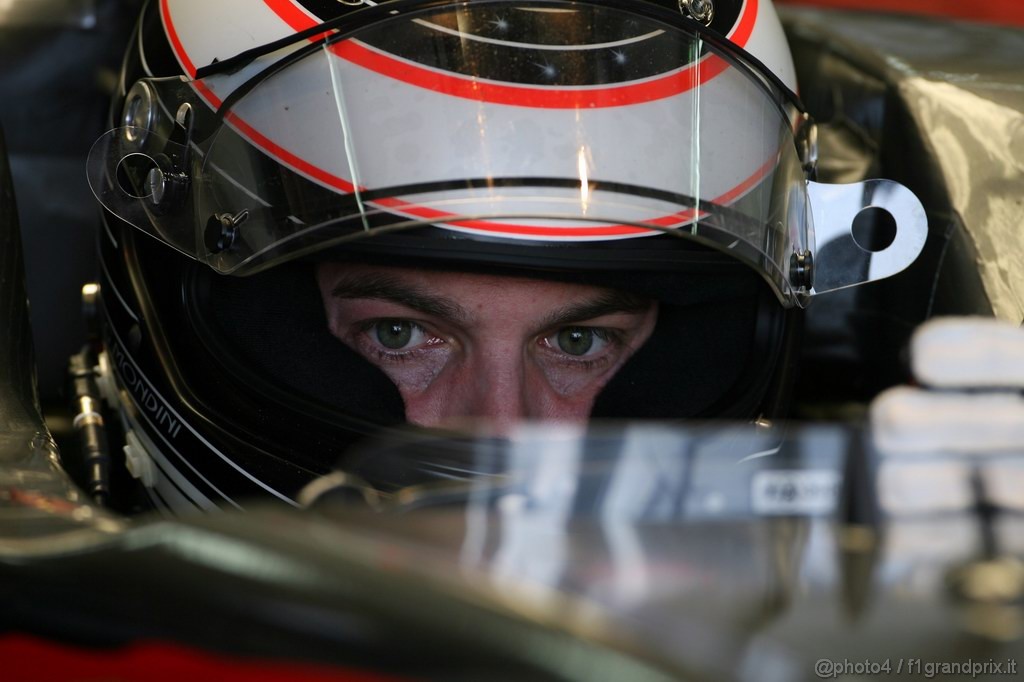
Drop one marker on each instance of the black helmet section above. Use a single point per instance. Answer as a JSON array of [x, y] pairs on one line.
[[270, 330], [210, 438], [724, 355]]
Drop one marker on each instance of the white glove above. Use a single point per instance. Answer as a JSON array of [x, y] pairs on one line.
[[969, 405], [971, 372]]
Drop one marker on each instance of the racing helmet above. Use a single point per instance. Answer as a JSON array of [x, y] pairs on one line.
[[655, 147]]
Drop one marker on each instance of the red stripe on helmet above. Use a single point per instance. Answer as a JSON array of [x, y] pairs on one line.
[[468, 87]]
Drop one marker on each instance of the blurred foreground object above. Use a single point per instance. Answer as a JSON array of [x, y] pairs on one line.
[[972, 374]]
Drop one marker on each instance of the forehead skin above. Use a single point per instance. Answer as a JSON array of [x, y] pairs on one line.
[[490, 354]]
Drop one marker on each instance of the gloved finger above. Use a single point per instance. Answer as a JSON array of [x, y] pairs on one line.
[[907, 420], [968, 352]]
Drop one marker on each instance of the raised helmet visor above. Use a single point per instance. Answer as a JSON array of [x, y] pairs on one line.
[[526, 123]]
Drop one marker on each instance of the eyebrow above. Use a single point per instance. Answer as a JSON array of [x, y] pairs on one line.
[[387, 288], [609, 302]]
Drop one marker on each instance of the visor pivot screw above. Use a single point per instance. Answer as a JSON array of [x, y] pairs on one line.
[[222, 230], [801, 268], [699, 10], [166, 186]]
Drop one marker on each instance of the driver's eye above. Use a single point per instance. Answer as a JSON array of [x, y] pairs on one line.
[[579, 341], [396, 334]]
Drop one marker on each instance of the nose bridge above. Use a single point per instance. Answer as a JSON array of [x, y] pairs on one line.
[[498, 386]]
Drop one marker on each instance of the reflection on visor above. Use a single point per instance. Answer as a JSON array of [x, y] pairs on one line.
[[523, 46], [486, 121]]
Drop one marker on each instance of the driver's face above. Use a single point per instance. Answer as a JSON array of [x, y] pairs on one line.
[[461, 345]]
